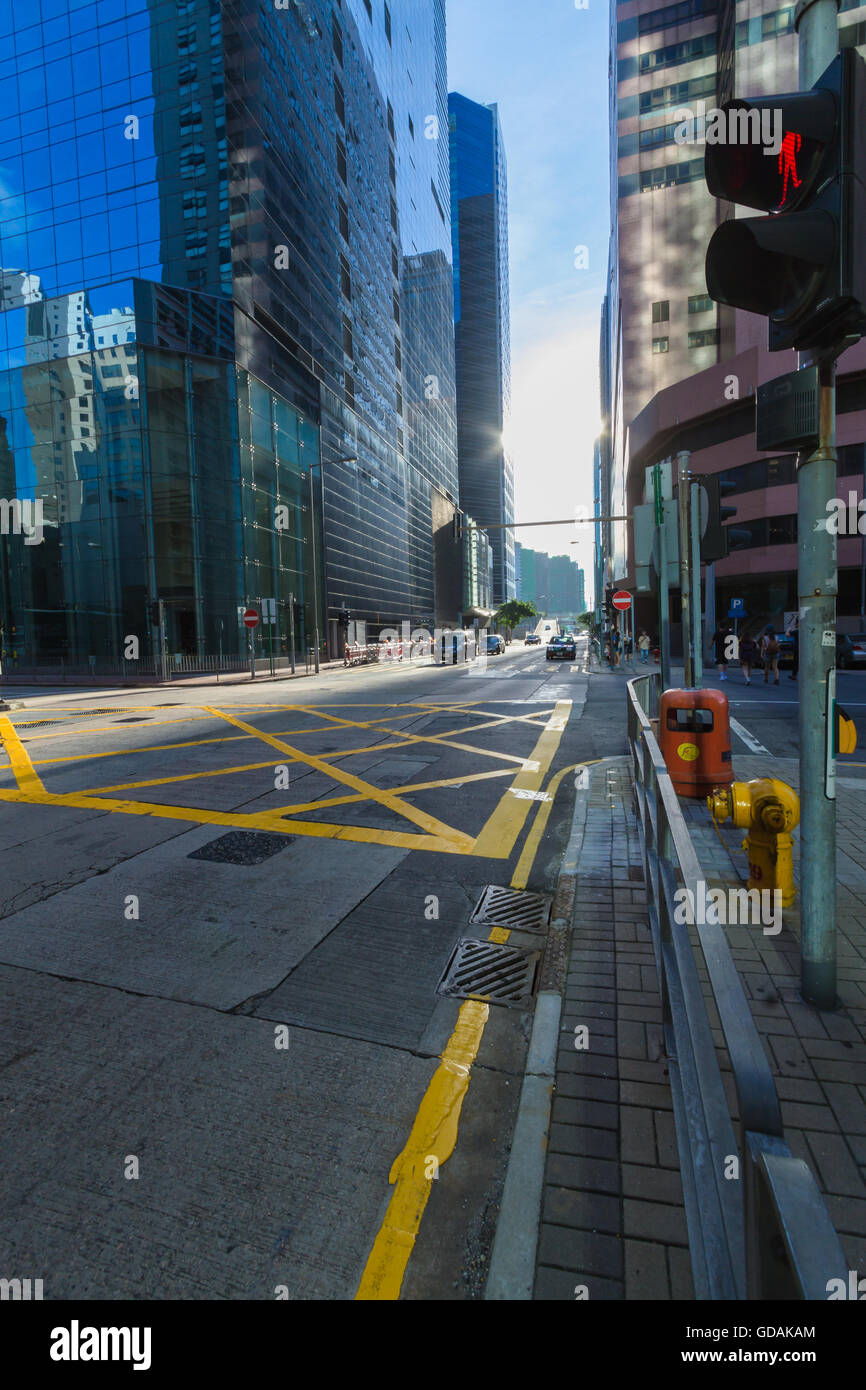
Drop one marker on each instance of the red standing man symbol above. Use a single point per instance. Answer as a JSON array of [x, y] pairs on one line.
[[788, 161]]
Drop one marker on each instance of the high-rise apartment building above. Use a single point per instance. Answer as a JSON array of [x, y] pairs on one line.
[[479, 234], [679, 371], [553, 583], [226, 319]]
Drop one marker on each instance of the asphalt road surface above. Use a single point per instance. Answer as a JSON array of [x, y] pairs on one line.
[[227, 1066]]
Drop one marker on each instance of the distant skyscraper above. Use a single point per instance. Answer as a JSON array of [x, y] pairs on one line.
[[226, 320], [479, 236]]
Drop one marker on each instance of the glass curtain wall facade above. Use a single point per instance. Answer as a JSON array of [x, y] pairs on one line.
[[479, 234], [210, 286]]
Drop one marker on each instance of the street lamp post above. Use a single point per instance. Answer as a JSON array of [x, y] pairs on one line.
[[350, 458]]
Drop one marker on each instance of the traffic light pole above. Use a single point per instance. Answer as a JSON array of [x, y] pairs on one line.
[[697, 633], [818, 585], [685, 564], [664, 597]]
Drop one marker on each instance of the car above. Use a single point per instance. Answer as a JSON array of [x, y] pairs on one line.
[[858, 648], [532, 639], [844, 651], [495, 644], [561, 649]]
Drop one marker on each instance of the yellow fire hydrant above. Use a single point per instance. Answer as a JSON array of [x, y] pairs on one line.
[[770, 809]]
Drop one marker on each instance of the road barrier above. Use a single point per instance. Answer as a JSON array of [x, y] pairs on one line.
[[758, 1226]]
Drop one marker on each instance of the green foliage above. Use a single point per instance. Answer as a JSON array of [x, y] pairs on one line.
[[587, 620], [515, 611]]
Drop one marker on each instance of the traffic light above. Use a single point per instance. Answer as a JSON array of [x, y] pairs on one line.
[[343, 616], [801, 158], [718, 539]]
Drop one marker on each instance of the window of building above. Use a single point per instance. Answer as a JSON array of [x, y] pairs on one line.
[[676, 53], [678, 93], [387, 23], [661, 345], [350, 390], [411, 127], [396, 307], [395, 261], [337, 38], [391, 131], [392, 167], [704, 337], [348, 338], [667, 175], [345, 277], [661, 311], [676, 14], [394, 222], [369, 8], [342, 168], [344, 218], [339, 100], [398, 356], [700, 303]]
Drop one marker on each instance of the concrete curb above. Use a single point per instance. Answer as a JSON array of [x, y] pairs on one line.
[[512, 1259]]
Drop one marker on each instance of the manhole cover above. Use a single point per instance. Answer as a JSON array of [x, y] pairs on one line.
[[496, 974], [246, 847], [511, 907]]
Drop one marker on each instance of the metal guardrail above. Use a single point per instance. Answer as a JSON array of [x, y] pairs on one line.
[[758, 1226]]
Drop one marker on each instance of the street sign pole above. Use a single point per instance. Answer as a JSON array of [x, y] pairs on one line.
[[292, 629], [818, 585], [664, 600], [685, 562], [697, 633]]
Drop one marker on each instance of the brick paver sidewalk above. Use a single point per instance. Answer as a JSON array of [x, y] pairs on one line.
[[613, 1217]]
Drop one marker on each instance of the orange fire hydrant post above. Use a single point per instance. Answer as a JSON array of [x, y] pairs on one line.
[[770, 810]]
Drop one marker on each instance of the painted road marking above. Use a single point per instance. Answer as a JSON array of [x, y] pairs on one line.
[[19, 759], [505, 824], [434, 1133], [748, 739]]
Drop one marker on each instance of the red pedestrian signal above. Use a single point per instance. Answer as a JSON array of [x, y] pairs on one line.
[[801, 158]]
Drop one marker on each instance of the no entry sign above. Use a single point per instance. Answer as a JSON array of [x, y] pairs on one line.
[[251, 617], [622, 600]]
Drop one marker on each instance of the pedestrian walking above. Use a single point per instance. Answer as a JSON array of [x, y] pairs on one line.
[[643, 643], [748, 653], [794, 634], [720, 639], [770, 653]]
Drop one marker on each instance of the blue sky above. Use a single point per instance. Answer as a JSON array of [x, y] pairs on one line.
[[545, 64]]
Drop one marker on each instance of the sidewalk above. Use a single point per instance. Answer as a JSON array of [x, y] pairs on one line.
[[612, 1217], [818, 1057]]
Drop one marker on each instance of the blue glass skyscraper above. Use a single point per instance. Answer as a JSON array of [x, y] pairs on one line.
[[225, 266], [479, 238]]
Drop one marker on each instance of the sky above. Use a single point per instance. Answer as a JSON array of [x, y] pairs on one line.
[[545, 62]]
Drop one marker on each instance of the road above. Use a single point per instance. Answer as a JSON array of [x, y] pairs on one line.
[[226, 913]]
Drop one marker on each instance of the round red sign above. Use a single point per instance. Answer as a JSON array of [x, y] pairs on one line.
[[622, 600], [251, 617]]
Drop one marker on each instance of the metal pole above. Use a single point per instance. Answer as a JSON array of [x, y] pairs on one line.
[[711, 600], [815, 21], [292, 628], [664, 598], [685, 562], [163, 654], [697, 635], [315, 572]]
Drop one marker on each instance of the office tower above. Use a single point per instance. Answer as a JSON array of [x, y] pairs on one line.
[[226, 319], [679, 371], [479, 236]]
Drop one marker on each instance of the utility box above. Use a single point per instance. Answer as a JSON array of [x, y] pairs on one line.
[[695, 740]]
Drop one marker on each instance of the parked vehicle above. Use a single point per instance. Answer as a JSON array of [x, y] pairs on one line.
[[561, 649], [532, 639], [844, 651], [495, 644], [858, 648]]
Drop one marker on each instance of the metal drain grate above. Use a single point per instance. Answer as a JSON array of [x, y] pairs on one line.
[[38, 723], [246, 847], [511, 907], [496, 974]]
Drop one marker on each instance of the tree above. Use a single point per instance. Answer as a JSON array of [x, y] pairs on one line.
[[515, 611], [586, 619]]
